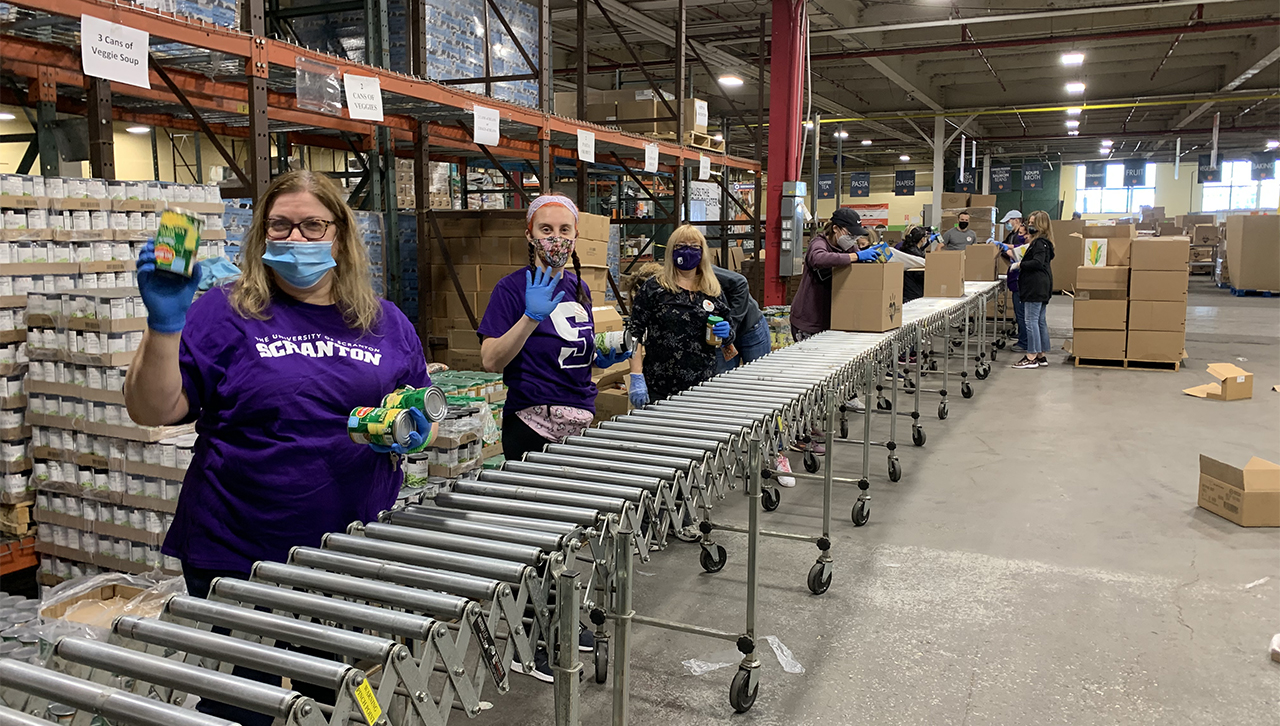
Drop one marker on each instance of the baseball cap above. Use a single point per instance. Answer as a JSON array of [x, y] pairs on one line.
[[1012, 214], [850, 220]]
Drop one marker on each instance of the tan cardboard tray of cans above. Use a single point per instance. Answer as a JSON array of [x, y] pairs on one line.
[[106, 205]]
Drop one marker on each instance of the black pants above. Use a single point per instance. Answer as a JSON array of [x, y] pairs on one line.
[[199, 581], [518, 439]]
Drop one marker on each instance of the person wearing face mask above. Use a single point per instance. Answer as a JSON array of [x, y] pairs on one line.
[[836, 246], [959, 236], [539, 332], [269, 369], [1017, 237], [670, 320]]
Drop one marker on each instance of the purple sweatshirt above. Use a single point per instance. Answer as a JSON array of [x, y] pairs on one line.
[[811, 309]]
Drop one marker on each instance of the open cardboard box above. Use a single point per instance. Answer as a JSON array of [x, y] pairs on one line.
[[1234, 384], [1250, 497]]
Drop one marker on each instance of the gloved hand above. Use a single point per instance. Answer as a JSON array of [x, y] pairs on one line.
[[721, 329], [611, 358], [638, 392], [538, 294], [167, 295], [872, 253], [417, 438]]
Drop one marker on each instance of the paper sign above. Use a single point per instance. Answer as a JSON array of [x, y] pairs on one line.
[[114, 52], [700, 113], [704, 168], [651, 158], [1095, 253], [586, 146], [486, 125], [364, 97]]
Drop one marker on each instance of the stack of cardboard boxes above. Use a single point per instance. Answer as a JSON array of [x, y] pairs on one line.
[[625, 109], [1100, 312], [1158, 300], [1253, 252], [981, 209]]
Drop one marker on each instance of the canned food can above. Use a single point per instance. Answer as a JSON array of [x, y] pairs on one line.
[[430, 401], [382, 426], [613, 341], [177, 239]]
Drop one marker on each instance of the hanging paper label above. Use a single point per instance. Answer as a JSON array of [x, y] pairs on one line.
[[651, 158], [586, 146], [486, 125], [700, 113], [704, 168], [114, 52], [860, 184], [364, 97]]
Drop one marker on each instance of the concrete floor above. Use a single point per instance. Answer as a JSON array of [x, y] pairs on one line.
[[1042, 561]]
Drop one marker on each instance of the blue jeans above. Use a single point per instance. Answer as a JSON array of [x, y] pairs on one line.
[[1018, 316], [1034, 315], [752, 344]]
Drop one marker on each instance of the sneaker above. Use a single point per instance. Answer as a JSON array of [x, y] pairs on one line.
[[855, 405], [1043, 362], [1018, 348], [541, 667], [1026, 363], [782, 464], [586, 639]]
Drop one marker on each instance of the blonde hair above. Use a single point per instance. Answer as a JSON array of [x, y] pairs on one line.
[[642, 275], [1040, 220], [352, 285], [687, 235]]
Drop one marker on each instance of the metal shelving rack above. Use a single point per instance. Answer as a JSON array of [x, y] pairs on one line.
[[239, 83]]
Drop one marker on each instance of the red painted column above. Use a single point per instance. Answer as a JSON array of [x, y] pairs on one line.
[[786, 69]]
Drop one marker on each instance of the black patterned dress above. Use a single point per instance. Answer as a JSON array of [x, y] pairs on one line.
[[673, 328]]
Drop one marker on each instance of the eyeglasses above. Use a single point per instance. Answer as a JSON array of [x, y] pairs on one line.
[[312, 230]]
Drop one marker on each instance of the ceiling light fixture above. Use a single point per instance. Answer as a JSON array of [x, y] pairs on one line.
[[842, 134], [139, 129], [1072, 59], [730, 81], [866, 142], [1106, 142], [904, 157], [1074, 111], [7, 117], [1273, 144], [1073, 124], [719, 137], [1073, 133], [808, 125], [1075, 87]]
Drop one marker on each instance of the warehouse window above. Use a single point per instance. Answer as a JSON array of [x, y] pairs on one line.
[[1238, 190], [1114, 197]]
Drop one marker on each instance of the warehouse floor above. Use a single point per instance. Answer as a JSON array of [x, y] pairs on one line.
[[1042, 561]]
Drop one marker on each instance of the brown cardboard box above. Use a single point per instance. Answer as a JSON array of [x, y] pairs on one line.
[[1102, 278], [602, 112], [1253, 252], [491, 274], [1158, 285], [468, 277], [1187, 222], [1168, 229], [463, 359], [952, 200], [1118, 252], [596, 278], [1110, 231], [1157, 315], [502, 223], [463, 339], [980, 262], [1205, 234], [607, 319], [101, 606], [1155, 346], [593, 226], [944, 274], [982, 200], [1100, 314], [736, 257], [1250, 497], [592, 252], [447, 305], [610, 399], [566, 104], [1105, 344], [629, 112], [1068, 252], [1161, 253], [459, 224], [867, 297], [1234, 384]]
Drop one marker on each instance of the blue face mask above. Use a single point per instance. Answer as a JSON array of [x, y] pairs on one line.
[[301, 264]]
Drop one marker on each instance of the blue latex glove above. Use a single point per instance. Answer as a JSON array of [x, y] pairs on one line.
[[611, 358], [872, 253], [721, 329], [167, 295], [539, 290], [638, 392], [416, 438]]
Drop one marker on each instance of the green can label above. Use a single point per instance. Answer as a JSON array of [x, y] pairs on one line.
[[381, 426], [177, 239], [431, 401]]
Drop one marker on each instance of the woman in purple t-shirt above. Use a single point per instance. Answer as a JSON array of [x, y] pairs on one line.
[[539, 332]]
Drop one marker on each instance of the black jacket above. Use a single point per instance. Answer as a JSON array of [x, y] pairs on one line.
[[1035, 279], [744, 312]]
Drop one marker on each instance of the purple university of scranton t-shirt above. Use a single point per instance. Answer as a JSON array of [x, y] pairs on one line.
[[273, 466], [554, 366]]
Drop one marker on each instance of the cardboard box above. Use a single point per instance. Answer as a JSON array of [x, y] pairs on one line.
[[1104, 344], [867, 297], [490, 275], [592, 252], [1234, 384], [1158, 285], [1160, 253], [98, 607], [1118, 251], [952, 200], [1205, 234], [1100, 314], [1102, 278], [944, 274], [1250, 497], [980, 262], [1253, 252], [461, 359], [463, 339], [611, 394], [607, 319], [596, 278], [468, 278], [502, 223], [1068, 252], [1110, 231], [982, 200], [1185, 222], [1156, 315], [1155, 346], [593, 227], [736, 257]]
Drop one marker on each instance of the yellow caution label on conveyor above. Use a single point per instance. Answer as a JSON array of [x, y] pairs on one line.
[[368, 703]]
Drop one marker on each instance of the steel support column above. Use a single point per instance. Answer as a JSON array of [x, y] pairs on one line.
[[759, 190], [257, 70], [102, 155], [839, 165], [582, 96], [422, 197], [682, 188], [786, 68], [46, 93], [546, 95], [986, 173], [939, 147]]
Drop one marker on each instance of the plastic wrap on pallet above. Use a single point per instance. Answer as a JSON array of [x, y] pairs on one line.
[[318, 86]]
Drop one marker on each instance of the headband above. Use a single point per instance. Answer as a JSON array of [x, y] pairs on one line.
[[546, 199]]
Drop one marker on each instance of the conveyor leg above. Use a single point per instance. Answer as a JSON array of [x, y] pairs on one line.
[[622, 636], [746, 682], [567, 666]]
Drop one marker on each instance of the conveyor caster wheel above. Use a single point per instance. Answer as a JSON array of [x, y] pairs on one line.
[[811, 462], [917, 436], [966, 390], [602, 661], [844, 429], [884, 404], [1000, 344], [817, 583], [713, 558], [933, 365], [982, 371], [943, 410], [770, 498], [861, 512], [741, 695], [895, 469]]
